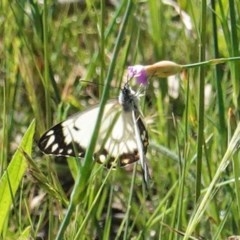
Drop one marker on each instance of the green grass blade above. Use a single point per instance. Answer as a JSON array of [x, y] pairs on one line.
[[218, 76], [13, 175], [82, 180], [211, 191], [235, 52], [201, 102]]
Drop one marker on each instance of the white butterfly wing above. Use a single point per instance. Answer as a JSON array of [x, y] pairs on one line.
[[74, 133], [116, 139], [121, 143], [122, 138]]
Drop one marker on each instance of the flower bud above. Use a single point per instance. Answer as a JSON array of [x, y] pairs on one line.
[[163, 69]]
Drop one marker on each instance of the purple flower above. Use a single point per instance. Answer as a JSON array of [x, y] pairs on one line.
[[138, 72], [160, 69]]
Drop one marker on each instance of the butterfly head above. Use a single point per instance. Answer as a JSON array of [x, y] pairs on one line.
[[128, 98]]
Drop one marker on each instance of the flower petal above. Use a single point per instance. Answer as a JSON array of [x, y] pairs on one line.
[[138, 72]]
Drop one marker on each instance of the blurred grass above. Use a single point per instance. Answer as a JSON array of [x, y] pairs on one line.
[[47, 48]]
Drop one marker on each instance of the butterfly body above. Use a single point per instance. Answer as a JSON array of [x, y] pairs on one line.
[[122, 137]]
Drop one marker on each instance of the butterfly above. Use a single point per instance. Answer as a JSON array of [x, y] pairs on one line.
[[122, 138]]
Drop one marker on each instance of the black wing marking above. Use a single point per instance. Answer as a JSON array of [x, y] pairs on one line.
[[53, 142]]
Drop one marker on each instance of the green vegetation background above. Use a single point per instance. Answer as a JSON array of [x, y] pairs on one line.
[[48, 48]]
